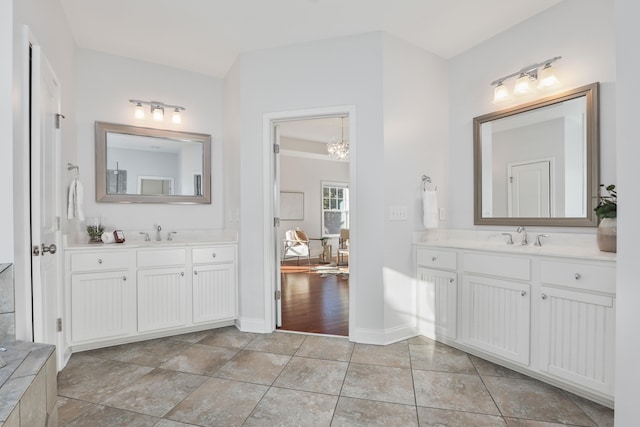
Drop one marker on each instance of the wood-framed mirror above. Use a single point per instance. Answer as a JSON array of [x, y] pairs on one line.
[[145, 165], [538, 163]]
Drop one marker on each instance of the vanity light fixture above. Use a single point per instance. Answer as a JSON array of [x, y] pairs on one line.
[[525, 79], [157, 110]]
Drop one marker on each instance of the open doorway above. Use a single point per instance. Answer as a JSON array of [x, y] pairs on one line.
[[312, 240]]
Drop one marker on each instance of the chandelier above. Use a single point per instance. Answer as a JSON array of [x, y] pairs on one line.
[[339, 148]]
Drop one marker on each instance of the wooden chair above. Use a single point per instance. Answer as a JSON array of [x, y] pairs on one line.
[[343, 246]]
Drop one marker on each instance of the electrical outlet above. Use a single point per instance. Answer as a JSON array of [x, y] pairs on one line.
[[398, 213], [442, 214]]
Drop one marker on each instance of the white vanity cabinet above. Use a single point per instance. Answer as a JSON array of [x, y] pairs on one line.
[[214, 278], [548, 316], [577, 323], [161, 289], [496, 303], [437, 293], [102, 293], [122, 293]]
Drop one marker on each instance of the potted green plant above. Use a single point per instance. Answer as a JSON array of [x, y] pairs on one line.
[[607, 211]]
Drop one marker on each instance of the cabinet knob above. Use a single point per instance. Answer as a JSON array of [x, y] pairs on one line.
[[577, 276], [523, 293], [99, 260], [452, 280], [182, 273], [543, 296], [124, 278], [214, 255], [195, 272], [433, 258]]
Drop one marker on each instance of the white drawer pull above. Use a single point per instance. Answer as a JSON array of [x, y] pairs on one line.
[[578, 276], [543, 296], [99, 260], [523, 293]]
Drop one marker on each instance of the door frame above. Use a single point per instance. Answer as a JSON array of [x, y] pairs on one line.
[[270, 249]]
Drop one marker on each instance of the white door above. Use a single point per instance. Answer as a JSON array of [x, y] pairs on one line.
[[276, 222], [45, 202], [529, 189]]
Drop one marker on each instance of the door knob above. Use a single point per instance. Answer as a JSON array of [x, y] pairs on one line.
[[51, 249]]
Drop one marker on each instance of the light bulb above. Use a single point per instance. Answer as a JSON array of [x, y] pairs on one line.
[[158, 114], [548, 78], [139, 111], [522, 84], [176, 117], [500, 93]]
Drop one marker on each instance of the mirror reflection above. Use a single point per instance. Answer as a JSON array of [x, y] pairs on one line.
[[151, 165], [535, 164]]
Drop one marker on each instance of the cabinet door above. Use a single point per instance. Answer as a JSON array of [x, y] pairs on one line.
[[495, 315], [161, 298], [101, 305], [437, 300], [577, 332], [214, 292]]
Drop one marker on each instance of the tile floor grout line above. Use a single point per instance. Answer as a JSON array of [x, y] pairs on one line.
[[413, 383]]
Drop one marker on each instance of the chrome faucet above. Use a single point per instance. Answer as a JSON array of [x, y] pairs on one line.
[[158, 236], [524, 235]]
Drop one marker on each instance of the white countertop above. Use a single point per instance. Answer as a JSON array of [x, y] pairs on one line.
[[133, 239], [582, 246]]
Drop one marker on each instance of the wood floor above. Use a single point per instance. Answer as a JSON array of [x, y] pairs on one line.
[[312, 303]]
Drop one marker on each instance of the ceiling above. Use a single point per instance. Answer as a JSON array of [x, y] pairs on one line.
[[206, 36]]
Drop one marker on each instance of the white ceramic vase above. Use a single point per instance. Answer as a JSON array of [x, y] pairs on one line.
[[607, 234]]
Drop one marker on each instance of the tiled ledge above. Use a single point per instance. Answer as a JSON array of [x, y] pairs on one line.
[[28, 385]]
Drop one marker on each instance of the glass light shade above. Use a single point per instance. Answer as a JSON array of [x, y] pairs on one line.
[[500, 93], [523, 84], [338, 149], [158, 114], [548, 78], [176, 117], [139, 111]]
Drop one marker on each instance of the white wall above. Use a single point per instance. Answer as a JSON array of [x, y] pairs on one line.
[[6, 132], [628, 286], [105, 84], [232, 129], [582, 32], [345, 71], [415, 143]]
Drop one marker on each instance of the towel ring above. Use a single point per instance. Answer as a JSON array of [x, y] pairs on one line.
[[427, 180]]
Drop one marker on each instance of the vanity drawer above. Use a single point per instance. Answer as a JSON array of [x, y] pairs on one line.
[[162, 257], [591, 277], [435, 258], [498, 265], [101, 261], [213, 254]]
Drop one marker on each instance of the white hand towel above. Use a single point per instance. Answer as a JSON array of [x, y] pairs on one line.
[[430, 208], [75, 208]]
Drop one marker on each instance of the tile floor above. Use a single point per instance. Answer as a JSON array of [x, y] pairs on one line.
[[225, 377]]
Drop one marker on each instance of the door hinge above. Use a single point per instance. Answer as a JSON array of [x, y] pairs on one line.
[[278, 295], [276, 148], [57, 223], [276, 222], [59, 324], [58, 117]]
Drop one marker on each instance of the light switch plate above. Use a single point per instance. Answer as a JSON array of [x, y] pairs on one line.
[[398, 213]]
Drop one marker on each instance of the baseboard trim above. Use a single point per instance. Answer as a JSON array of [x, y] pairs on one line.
[[384, 336], [254, 325]]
